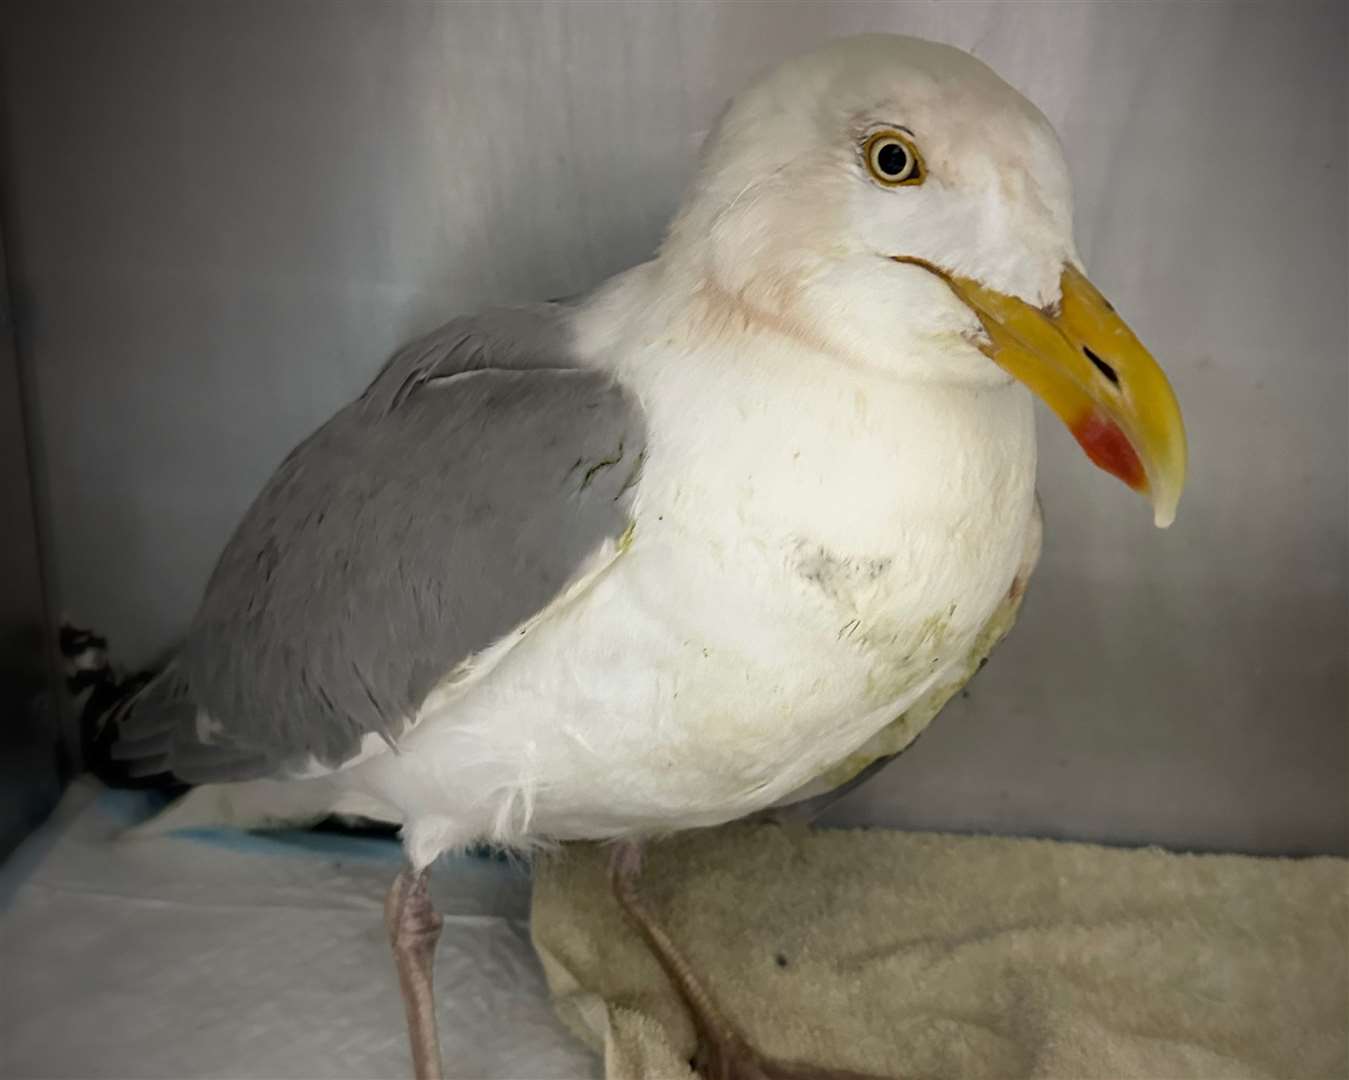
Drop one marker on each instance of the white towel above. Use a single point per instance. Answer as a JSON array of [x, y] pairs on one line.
[[906, 955]]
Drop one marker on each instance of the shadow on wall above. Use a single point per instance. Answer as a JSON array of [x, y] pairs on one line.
[[33, 767], [32, 773]]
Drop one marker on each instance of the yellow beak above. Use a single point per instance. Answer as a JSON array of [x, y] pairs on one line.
[[1084, 362]]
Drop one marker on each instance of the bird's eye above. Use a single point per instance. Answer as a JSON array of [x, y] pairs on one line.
[[893, 159]]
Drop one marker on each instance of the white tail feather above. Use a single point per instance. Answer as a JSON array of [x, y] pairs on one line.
[[263, 804]]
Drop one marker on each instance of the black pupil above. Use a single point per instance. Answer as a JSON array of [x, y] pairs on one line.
[[893, 159]]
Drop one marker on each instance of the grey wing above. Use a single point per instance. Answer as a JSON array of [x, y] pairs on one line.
[[452, 502]]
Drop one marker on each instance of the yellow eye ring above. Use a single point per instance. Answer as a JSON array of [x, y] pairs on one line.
[[892, 159]]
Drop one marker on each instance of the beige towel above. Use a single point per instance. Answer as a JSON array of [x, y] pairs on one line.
[[907, 955]]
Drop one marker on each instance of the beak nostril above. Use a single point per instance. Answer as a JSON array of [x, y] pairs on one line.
[[1101, 366]]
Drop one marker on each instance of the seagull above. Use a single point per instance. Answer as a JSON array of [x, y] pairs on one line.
[[666, 555]]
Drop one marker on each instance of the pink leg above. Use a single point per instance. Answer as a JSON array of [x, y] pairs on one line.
[[724, 1054], [414, 928]]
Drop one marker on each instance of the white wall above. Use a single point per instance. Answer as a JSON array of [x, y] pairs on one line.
[[224, 215]]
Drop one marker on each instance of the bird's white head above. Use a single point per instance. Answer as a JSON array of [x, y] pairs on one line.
[[895, 202]]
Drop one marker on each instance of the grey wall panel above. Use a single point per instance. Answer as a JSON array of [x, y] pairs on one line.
[[30, 742], [226, 214]]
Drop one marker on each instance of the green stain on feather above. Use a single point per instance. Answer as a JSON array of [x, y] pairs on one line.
[[606, 463], [908, 725]]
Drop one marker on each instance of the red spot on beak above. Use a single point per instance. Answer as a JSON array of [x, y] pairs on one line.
[[1110, 449]]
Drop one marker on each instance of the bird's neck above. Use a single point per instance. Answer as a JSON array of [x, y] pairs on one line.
[[912, 330], [748, 415]]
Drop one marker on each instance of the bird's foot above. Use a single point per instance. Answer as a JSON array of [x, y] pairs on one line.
[[737, 1060], [723, 1053]]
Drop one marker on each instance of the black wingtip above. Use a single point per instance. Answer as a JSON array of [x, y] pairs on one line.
[[90, 672]]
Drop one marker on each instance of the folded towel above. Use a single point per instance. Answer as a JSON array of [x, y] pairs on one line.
[[916, 955]]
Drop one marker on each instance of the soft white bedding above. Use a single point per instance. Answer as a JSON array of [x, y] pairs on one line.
[[220, 953]]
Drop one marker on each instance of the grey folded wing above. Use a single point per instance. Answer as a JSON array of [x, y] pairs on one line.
[[452, 502]]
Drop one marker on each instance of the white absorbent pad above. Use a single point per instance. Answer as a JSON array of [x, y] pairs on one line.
[[219, 953]]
